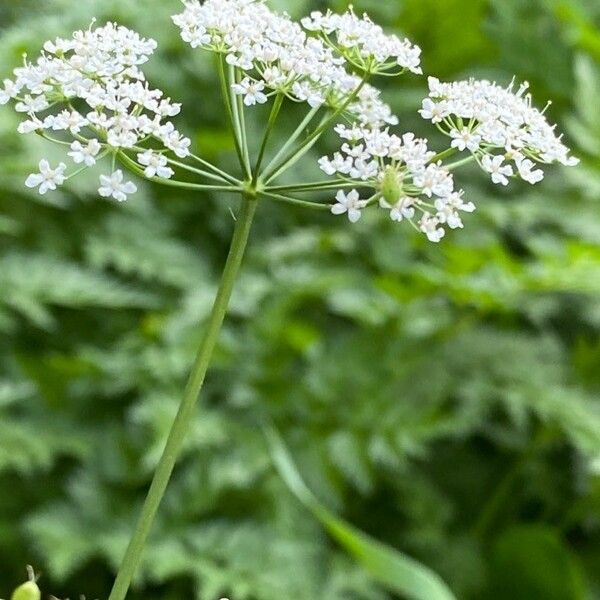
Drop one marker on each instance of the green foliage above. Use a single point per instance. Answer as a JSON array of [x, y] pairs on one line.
[[393, 570], [444, 400], [540, 565]]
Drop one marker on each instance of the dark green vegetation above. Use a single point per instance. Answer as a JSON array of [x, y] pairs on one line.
[[443, 399]]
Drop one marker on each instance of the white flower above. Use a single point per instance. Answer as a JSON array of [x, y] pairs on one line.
[[501, 120], [400, 171], [430, 226], [47, 178], [465, 139], [434, 180], [526, 171], [276, 52], [85, 154], [33, 124], [448, 210], [499, 172], [173, 140], [433, 111], [403, 209], [98, 71], [348, 203], [364, 169], [156, 164], [251, 90], [364, 42], [11, 89], [67, 120], [339, 164], [113, 186], [32, 104]]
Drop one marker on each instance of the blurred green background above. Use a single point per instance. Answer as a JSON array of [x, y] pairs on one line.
[[442, 398]]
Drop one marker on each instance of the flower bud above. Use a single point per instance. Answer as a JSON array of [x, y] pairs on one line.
[[27, 591], [391, 186]]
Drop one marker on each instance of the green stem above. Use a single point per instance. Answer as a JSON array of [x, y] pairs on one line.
[[445, 154], [237, 104], [203, 173], [270, 125], [135, 168], [229, 104], [317, 186], [185, 414], [501, 496], [218, 171], [295, 135], [294, 201], [315, 135], [460, 163]]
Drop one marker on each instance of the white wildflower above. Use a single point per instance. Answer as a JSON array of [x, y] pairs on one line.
[[32, 104], [114, 186], [430, 226], [98, 71], [364, 43], [486, 119], [400, 171], [528, 172], [47, 178], [403, 209], [349, 204], [251, 90], [156, 164], [465, 139], [10, 90], [434, 111], [499, 172], [87, 153], [275, 53]]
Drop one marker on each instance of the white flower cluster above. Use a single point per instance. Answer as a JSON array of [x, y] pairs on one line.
[[101, 101], [364, 43], [276, 55], [405, 179], [498, 126]]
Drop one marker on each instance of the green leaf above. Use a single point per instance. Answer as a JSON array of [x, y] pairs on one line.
[[391, 568], [30, 282]]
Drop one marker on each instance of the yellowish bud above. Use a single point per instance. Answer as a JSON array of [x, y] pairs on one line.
[[27, 591], [391, 186]]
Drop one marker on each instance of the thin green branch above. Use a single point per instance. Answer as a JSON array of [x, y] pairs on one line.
[[270, 125], [460, 163], [227, 100], [185, 414], [240, 119], [202, 173], [294, 201], [134, 167], [292, 139], [317, 186], [218, 171], [315, 135], [445, 154]]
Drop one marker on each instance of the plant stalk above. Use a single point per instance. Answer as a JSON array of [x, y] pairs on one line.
[[310, 141], [180, 427]]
